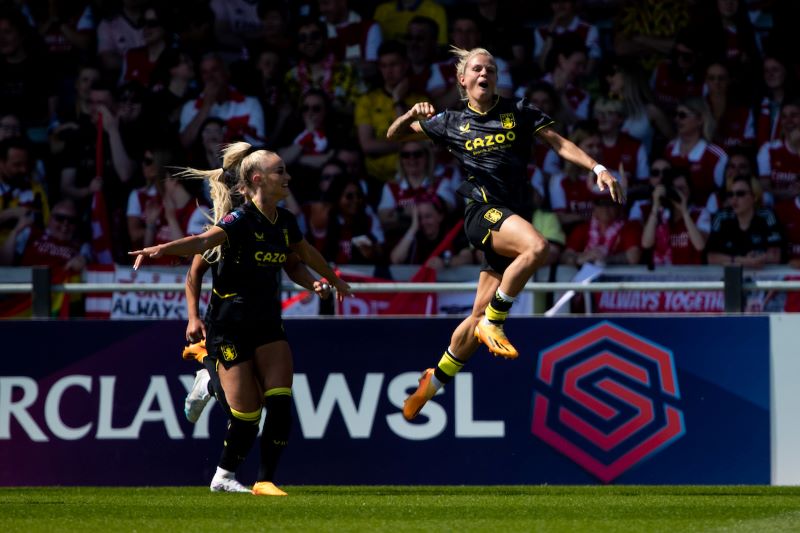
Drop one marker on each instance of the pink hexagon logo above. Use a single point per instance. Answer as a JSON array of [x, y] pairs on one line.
[[607, 399]]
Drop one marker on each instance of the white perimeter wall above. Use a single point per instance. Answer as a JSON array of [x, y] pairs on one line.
[[785, 376]]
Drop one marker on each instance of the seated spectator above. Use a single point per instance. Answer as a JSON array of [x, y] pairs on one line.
[[740, 163], [237, 23], [565, 21], [140, 63], [272, 94], [734, 119], [620, 150], [312, 147], [394, 16], [675, 231], [779, 84], [606, 239], [728, 34], [315, 210], [20, 195], [779, 160], [353, 234], [571, 195], [351, 38], [318, 68], [425, 233], [566, 65], [167, 207], [640, 197], [70, 110], [172, 85], [415, 180], [643, 118], [376, 110], [679, 76], [505, 35], [27, 81], [55, 246], [118, 33], [691, 148], [788, 213], [423, 52], [745, 234], [242, 114]]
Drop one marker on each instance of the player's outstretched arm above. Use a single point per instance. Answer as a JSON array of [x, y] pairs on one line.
[[410, 120], [191, 245], [566, 149]]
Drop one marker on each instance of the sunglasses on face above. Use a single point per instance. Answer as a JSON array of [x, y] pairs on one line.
[[308, 37], [64, 219], [658, 172], [313, 108], [737, 194], [415, 154]]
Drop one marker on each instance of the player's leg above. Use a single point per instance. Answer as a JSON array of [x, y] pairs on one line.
[[462, 345], [243, 397], [527, 248], [275, 369]]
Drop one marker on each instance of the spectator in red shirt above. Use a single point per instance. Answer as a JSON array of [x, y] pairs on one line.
[[779, 160], [566, 65], [606, 239], [691, 148], [779, 85], [139, 63], [680, 76], [735, 122], [571, 195], [788, 213], [351, 38], [619, 149], [675, 231]]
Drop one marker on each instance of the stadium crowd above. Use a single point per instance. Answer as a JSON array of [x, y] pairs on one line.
[[693, 104]]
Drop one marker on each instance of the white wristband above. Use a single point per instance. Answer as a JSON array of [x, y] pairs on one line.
[[598, 169]]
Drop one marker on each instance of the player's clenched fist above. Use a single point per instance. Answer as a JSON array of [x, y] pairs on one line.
[[422, 110]]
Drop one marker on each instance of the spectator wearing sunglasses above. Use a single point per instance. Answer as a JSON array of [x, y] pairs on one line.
[[318, 68], [745, 234], [415, 180], [353, 234], [139, 63], [311, 148], [56, 246], [693, 148], [659, 170]]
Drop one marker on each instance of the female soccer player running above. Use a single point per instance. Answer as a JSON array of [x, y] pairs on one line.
[[492, 138], [245, 334]]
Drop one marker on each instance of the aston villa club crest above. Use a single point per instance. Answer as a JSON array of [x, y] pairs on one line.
[[228, 352], [507, 120]]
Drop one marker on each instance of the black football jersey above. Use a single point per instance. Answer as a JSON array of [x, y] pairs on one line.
[[493, 147], [247, 278]]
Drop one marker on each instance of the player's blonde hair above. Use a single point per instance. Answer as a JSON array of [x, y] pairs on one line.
[[240, 161], [463, 58]]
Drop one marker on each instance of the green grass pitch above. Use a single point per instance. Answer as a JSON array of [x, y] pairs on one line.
[[490, 509]]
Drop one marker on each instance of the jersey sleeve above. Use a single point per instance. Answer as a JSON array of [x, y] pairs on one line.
[[535, 117], [435, 127], [234, 226]]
